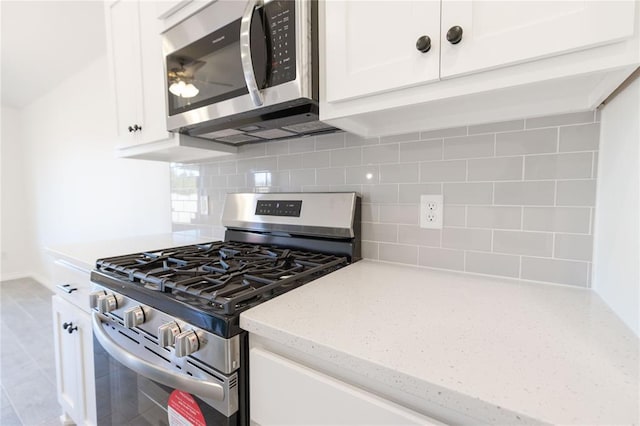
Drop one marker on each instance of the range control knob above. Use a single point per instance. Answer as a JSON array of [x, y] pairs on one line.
[[107, 303], [187, 343], [167, 334], [93, 298], [134, 317]]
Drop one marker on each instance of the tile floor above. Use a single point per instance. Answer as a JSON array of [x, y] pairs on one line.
[[27, 361]]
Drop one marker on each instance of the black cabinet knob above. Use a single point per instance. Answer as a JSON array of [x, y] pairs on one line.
[[454, 35], [136, 127], [69, 327], [423, 44], [131, 129]]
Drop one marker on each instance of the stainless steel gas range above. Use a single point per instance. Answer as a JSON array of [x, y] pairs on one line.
[[169, 348]]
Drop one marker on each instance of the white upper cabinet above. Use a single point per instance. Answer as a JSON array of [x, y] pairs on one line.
[[488, 60], [137, 73], [124, 50], [499, 33], [371, 53]]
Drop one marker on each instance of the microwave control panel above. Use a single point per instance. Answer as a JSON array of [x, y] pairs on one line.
[[280, 21]]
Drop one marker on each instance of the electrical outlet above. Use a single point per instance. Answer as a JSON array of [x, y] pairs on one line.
[[431, 211]]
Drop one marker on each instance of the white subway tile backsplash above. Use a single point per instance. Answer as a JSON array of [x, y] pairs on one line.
[[576, 192], [380, 154], [319, 159], [573, 246], [333, 176], [421, 151], [527, 142], [492, 264], [584, 137], [455, 216], [277, 148], [468, 193], [555, 271], [370, 250], [330, 141], [525, 193], [303, 177], [494, 217], [518, 195], [288, 162], [444, 133], [398, 173], [469, 146], [443, 171], [560, 120], [382, 193], [413, 234], [441, 258], [346, 157], [228, 167], [301, 145], [467, 238], [503, 126], [492, 169], [398, 253], [411, 192], [381, 232], [370, 212], [557, 219], [526, 243], [558, 166], [407, 214], [363, 175]]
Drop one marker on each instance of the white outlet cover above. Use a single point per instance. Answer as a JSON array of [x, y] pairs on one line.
[[431, 211]]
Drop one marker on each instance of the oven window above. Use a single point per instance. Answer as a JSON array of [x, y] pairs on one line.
[[210, 70]]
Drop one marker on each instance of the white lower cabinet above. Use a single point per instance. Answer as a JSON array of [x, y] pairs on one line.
[[283, 392], [73, 344]]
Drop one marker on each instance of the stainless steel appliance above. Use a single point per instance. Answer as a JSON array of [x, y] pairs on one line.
[[166, 322], [240, 72]]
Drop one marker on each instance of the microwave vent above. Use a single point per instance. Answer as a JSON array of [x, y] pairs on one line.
[[273, 134], [308, 127]]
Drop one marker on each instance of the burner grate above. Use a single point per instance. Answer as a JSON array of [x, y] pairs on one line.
[[224, 277]]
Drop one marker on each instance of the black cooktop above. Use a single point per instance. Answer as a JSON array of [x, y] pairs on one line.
[[209, 285]]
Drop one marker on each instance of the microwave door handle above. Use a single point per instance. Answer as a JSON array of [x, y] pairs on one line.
[[202, 388], [245, 52]]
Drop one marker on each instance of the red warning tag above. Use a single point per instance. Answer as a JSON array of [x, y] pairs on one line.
[[183, 410]]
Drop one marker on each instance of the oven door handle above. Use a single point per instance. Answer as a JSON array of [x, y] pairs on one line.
[[202, 388], [245, 52]]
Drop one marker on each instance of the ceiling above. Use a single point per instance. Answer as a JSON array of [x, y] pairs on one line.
[[44, 42]]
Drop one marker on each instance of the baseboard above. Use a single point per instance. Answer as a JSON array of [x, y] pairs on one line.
[[43, 280]]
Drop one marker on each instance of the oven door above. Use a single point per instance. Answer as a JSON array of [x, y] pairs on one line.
[[140, 386], [234, 57]]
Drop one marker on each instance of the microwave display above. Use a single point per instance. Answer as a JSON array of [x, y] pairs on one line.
[[209, 70]]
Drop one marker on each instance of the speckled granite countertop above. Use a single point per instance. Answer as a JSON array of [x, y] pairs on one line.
[[502, 351]]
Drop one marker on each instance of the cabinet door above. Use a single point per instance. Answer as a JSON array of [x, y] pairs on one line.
[[370, 46], [499, 33], [154, 115], [123, 40], [74, 361], [286, 393]]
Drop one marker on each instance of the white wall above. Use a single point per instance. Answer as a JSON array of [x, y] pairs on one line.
[[616, 276], [14, 231], [77, 189]]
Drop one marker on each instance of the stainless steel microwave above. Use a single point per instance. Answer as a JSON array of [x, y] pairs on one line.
[[240, 72]]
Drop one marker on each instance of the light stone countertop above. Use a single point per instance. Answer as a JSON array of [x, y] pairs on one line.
[[502, 351], [84, 255]]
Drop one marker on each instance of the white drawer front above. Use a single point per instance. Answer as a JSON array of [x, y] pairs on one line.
[[72, 283]]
